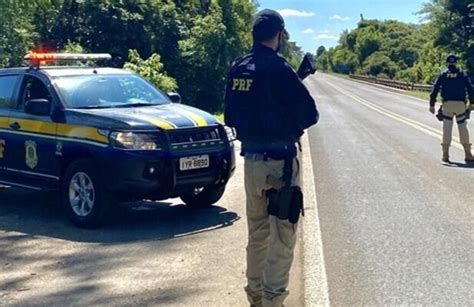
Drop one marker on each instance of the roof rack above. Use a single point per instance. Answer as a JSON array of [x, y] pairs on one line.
[[36, 58]]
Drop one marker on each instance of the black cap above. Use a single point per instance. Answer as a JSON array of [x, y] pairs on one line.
[[452, 59], [267, 23]]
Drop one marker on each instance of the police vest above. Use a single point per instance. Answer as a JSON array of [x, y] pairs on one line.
[[257, 118], [453, 85]]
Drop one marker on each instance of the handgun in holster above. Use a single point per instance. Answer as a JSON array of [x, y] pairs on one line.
[[285, 202], [439, 114]]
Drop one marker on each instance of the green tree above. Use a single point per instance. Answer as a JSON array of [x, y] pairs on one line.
[[151, 69], [368, 42], [17, 32], [453, 25], [344, 61], [291, 52], [320, 51], [379, 63]]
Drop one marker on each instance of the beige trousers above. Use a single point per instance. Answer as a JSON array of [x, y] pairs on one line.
[[456, 109], [271, 241]]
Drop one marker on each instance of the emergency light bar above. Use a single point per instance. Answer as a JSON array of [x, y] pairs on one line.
[[36, 58]]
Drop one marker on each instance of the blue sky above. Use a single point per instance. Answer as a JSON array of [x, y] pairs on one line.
[[313, 23]]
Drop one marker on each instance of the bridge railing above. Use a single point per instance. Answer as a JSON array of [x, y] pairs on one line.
[[403, 85]]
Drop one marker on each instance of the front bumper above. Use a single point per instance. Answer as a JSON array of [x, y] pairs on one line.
[[156, 175]]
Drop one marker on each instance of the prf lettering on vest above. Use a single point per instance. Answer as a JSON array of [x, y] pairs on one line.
[[242, 85], [452, 75], [2, 148]]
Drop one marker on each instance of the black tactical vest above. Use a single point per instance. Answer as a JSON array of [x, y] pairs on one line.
[[260, 121]]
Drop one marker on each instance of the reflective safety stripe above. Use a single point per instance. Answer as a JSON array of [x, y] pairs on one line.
[[161, 123], [53, 129], [54, 137], [3, 122], [82, 132], [35, 126], [200, 121]]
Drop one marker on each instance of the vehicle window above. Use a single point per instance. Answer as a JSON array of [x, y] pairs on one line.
[[107, 91], [7, 87], [33, 88]]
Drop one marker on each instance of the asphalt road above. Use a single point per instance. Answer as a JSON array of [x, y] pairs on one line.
[[394, 225], [397, 226], [148, 254]]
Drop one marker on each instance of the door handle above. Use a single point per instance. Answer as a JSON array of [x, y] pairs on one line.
[[15, 126]]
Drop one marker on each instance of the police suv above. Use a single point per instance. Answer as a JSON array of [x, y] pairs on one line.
[[104, 135]]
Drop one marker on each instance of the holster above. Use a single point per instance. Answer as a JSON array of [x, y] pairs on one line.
[[439, 114], [286, 203]]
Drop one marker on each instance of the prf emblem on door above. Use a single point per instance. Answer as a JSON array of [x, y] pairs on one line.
[[2, 148], [31, 156]]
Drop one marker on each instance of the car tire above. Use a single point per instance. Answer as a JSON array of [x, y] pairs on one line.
[[203, 197], [83, 195]]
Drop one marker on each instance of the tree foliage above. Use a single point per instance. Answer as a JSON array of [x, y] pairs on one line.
[[151, 69], [185, 44], [414, 53]]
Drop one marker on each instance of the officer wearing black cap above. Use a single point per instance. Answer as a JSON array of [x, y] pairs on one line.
[[270, 108], [455, 86]]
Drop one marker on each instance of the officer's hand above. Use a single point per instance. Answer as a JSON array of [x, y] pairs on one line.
[[432, 110]]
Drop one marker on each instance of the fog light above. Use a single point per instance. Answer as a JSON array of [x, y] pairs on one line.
[[151, 170]]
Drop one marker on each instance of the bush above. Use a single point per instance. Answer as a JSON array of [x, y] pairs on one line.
[[379, 63], [151, 69]]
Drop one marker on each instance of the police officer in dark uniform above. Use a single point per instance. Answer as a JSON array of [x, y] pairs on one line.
[[454, 85], [269, 107]]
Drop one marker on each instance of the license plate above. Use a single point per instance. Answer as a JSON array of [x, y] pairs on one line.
[[195, 162]]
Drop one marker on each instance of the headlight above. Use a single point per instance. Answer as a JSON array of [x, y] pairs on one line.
[[136, 141], [231, 135]]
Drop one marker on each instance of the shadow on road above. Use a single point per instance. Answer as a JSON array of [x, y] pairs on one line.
[[34, 213], [461, 165]]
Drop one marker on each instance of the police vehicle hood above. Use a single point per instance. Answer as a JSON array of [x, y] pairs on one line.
[[168, 116]]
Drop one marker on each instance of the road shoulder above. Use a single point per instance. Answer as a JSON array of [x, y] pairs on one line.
[[314, 275]]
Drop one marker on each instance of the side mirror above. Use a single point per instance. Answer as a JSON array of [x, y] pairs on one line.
[[174, 97], [39, 107]]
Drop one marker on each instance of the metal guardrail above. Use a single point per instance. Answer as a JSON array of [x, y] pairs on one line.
[[407, 86]]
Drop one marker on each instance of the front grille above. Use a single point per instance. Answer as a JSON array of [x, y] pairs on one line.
[[195, 138]]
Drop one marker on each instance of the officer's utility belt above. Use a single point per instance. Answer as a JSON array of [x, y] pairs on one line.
[[286, 203], [270, 152]]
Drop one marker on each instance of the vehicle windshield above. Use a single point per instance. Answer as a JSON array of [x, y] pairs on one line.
[[107, 91]]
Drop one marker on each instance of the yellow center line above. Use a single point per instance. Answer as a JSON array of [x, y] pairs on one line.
[[412, 123]]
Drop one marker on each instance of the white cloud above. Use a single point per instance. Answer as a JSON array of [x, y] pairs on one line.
[[308, 31], [326, 36], [295, 13], [338, 17]]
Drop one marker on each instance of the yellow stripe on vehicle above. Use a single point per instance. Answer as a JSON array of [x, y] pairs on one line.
[[161, 123], [82, 132], [200, 121], [60, 130], [35, 126], [4, 122]]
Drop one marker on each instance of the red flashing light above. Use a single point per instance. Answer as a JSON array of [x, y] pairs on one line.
[[40, 57], [37, 58]]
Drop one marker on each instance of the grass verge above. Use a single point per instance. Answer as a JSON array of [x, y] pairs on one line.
[[422, 95]]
